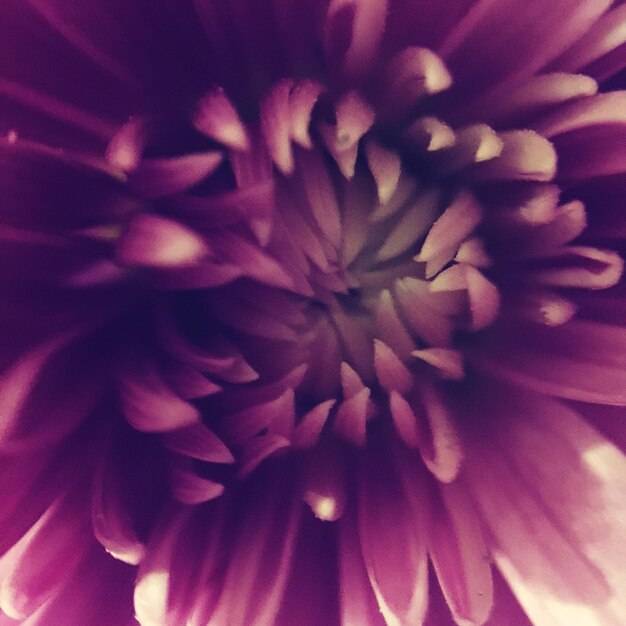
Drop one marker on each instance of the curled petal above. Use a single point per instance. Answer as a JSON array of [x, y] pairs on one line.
[[525, 156]]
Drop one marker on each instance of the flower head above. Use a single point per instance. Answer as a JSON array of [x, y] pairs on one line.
[[311, 307]]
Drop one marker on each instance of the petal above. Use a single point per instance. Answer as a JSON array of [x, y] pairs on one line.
[[525, 359], [154, 241], [392, 374], [364, 23], [525, 155], [607, 35], [111, 522], [189, 488], [452, 227], [351, 417], [358, 605], [386, 167], [198, 442], [480, 40], [393, 540], [562, 564], [258, 562], [460, 556], [217, 118], [506, 106], [158, 177], [442, 449], [325, 482], [408, 230], [150, 405], [310, 427], [605, 108], [591, 151], [276, 125], [45, 557]]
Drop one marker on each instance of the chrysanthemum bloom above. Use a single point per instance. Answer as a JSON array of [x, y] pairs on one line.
[[311, 312]]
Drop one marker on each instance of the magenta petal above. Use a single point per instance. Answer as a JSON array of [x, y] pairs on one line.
[[393, 540], [150, 405], [154, 241], [541, 540], [198, 442], [155, 178], [358, 604], [44, 557], [112, 525], [460, 556], [258, 563], [217, 118]]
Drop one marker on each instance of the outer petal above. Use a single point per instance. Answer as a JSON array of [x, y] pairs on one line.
[[558, 536]]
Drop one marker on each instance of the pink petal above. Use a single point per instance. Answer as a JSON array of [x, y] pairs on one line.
[[158, 177], [258, 563], [605, 108], [472, 251], [473, 144], [525, 156], [392, 374], [126, 147], [568, 223], [591, 151], [479, 39], [429, 324], [189, 488], [418, 217], [504, 106], [455, 224], [412, 74], [307, 432], [246, 424], [605, 36], [253, 261], [562, 565], [404, 420], [47, 555], [366, 23], [150, 405], [198, 442], [325, 483], [112, 525], [449, 363], [428, 134], [188, 382], [302, 100], [92, 585], [442, 452], [275, 122], [358, 605], [154, 576], [155, 241], [390, 328], [351, 417], [393, 541], [524, 359], [579, 266], [460, 556], [386, 167], [217, 118]]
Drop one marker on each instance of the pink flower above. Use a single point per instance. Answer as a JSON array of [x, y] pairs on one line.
[[313, 312]]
